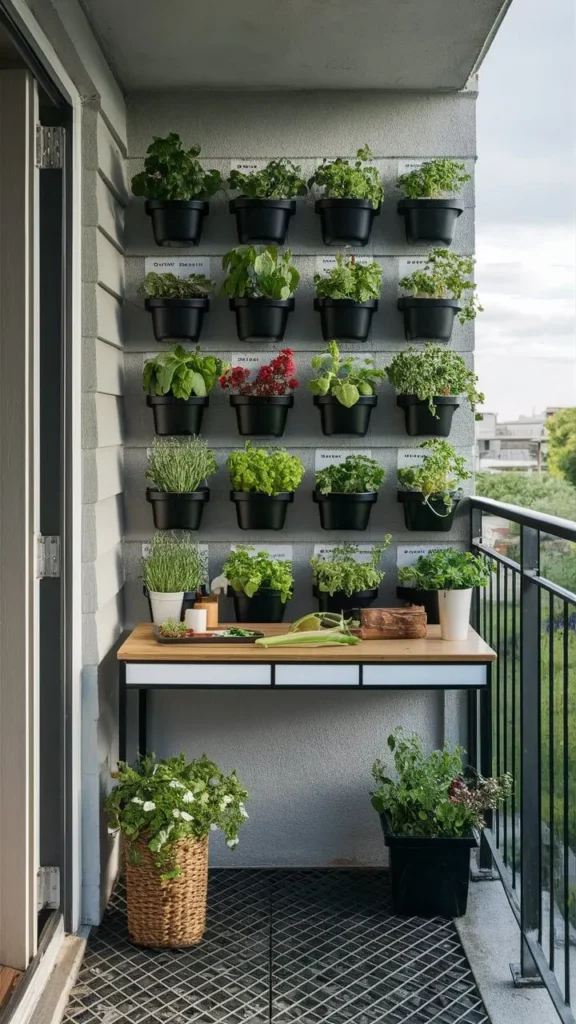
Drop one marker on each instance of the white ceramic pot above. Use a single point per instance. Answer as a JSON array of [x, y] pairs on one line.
[[165, 606], [454, 609]]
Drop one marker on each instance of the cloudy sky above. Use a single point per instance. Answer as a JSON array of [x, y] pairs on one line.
[[526, 211]]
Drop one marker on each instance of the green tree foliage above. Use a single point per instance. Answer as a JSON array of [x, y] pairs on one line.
[[561, 431], [540, 492]]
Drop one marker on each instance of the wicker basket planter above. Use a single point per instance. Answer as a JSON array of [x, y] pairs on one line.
[[170, 914]]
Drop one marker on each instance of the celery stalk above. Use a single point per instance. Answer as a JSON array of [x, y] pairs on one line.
[[310, 638]]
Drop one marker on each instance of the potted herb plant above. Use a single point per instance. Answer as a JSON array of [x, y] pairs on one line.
[[178, 468], [353, 193], [266, 203], [176, 188], [435, 296], [346, 491], [261, 585], [342, 583], [428, 215], [429, 385], [262, 404], [176, 304], [177, 385], [430, 492], [343, 390], [172, 572], [165, 811], [260, 285], [451, 575], [346, 298], [431, 815], [263, 484]]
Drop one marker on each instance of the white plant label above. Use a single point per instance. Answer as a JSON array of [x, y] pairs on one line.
[[250, 359], [408, 554], [331, 456], [324, 264], [410, 457], [363, 554], [405, 166], [280, 552], [202, 548], [181, 266], [408, 264], [247, 166]]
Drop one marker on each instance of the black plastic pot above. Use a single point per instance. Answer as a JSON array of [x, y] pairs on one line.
[[177, 222], [346, 221], [261, 416], [188, 602], [340, 602], [262, 220], [173, 416], [345, 511], [261, 319], [419, 516], [428, 319], [419, 420], [429, 876], [177, 511], [429, 220], [265, 606], [428, 599], [337, 419], [177, 319], [260, 511], [344, 319]]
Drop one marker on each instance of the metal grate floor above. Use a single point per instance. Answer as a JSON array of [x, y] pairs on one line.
[[287, 947]]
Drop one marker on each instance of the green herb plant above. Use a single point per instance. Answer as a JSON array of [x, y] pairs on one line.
[[434, 371], [264, 470], [182, 373], [172, 629], [341, 179], [249, 571], [160, 803], [445, 275], [344, 377], [173, 565], [434, 179], [358, 474], [438, 476], [257, 273], [341, 570], [280, 179], [169, 286], [447, 569], [178, 465], [173, 172], [350, 280]]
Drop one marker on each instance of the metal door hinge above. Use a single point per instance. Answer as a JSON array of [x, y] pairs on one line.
[[48, 558], [49, 148], [48, 889]]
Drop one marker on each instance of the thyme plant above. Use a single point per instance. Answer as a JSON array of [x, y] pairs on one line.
[[445, 275], [169, 286], [174, 565], [431, 372], [178, 465]]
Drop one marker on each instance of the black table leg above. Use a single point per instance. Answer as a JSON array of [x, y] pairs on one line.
[[142, 721], [122, 711]]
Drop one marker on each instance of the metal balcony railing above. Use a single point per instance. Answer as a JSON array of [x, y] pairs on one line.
[[526, 724]]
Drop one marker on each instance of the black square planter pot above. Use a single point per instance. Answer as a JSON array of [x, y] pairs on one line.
[[338, 419], [177, 222], [262, 220], [177, 319], [177, 511], [428, 319], [344, 319], [265, 605], [261, 511], [346, 221], [345, 511], [420, 421], [428, 599], [176, 416], [260, 415], [340, 602], [429, 220], [261, 319], [419, 516]]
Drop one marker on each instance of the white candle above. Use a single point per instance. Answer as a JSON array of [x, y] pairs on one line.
[[195, 619]]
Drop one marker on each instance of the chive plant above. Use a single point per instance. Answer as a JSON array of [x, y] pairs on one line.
[[179, 465]]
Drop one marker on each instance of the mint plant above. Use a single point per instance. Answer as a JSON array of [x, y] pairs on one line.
[[358, 474], [280, 179], [341, 179], [435, 371], [178, 465], [447, 569], [172, 172], [438, 476], [264, 470], [182, 373], [169, 286], [341, 572], [434, 179], [259, 273], [344, 377], [350, 280], [249, 571], [445, 275]]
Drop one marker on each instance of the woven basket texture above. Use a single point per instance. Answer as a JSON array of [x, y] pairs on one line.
[[169, 914]]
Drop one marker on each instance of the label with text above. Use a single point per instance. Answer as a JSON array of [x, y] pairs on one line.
[[250, 359], [362, 554], [181, 266], [330, 456], [324, 264], [408, 264], [408, 554], [246, 165], [410, 457]]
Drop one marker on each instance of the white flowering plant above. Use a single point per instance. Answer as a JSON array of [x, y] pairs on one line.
[[159, 802]]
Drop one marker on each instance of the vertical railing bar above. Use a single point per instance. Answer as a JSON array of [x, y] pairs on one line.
[[566, 831], [513, 736], [539, 757], [506, 708], [498, 722], [552, 824]]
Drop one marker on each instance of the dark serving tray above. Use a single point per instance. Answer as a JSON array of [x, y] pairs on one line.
[[205, 639]]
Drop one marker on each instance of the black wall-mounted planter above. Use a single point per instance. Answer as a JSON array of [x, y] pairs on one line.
[[177, 222], [261, 416], [262, 220], [419, 516], [346, 221], [428, 319], [344, 319], [420, 421], [429, 220], [265, 606], [260, 511], [345, 511], [340, 602], [174, 416], [177, 319], [188, 602], [428, 599], [261, 319], [177, 511], [337, 419]]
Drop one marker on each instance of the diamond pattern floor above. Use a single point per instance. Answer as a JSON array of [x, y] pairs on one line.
[[283, 947]]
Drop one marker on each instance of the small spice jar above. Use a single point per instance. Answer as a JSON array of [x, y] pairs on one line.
[[210, 603]]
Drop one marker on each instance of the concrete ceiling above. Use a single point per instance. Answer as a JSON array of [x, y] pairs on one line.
[[294, 44]]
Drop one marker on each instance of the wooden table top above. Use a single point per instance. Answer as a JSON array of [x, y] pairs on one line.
[[142, 646]]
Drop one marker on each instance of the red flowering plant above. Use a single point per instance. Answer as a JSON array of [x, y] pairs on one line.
[[276, 378]]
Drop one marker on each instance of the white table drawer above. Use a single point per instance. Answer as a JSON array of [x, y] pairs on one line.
[[189, 674], [428, 675], [317, 675]]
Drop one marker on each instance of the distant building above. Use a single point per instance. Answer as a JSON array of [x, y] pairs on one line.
[[511, 444]]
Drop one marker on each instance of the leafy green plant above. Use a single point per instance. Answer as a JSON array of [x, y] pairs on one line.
[[178, 465], [280, 179], [249, 571], [259, 273], [172, 629], [358, 474], [264, 470], [445, 275], [173, 565], [438, 476], [434, 179], [344, 377], [341, 179], [435, 371], [172, 172], [159, 803], [341, 571], [433, 794], [349, 280], [182, 373], [447, 569], [169, 286]]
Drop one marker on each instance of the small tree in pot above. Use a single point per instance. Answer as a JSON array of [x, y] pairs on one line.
[[260, 285], [346, 298], [342, 583], [429, 385], [435, 296], [261, 585], [266, 204], [178, 468], [428, 215], [172, 572], [353, 193], [346, 491], [343, 390], [177, 385], [452, 575], [262, 404], [263, 484], [431, 494], [176, 187], [177, 304]]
